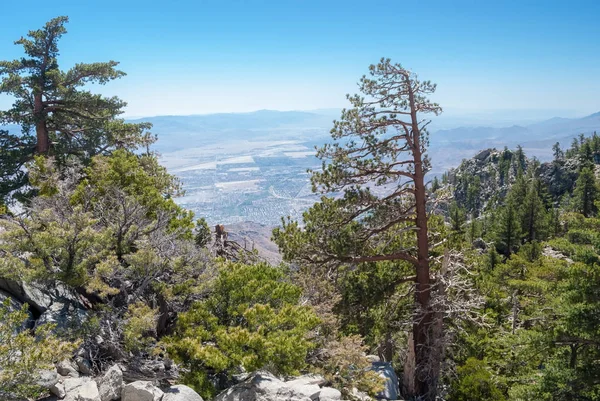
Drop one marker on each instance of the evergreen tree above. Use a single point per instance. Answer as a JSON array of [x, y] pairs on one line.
[[557, 152], [508, 230], [56, 113], [435, 184], [202, 234], [586, 192], [380, 142], [533, 213], [520, 158]]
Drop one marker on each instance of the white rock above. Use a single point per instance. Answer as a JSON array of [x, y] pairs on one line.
[[88, 392], [47, 378], [141, 391], [181, 393], [72, 384], [263, 386], [110, 384], [66, 368], [58, 389], [329, 393]]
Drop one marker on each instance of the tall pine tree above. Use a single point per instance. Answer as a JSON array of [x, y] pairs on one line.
[[57, 115]]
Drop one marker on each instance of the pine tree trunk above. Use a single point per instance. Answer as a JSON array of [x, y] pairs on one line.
[[424, 316], [43, 141]]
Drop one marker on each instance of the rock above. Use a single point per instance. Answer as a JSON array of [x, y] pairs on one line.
[[13, 303], [72, 384], [329, 393], [484, 154], [180, 393], [308, 379], [66, 368], [64, 315], [110, 384], [88, 392], [27, 293], [386, 371], [263, 386], [47, 378], [373, 358], [84, 366], [141, 391], [58, 390]]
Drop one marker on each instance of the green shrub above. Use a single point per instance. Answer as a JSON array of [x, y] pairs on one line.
[[23, 355], [251, 319], [475, 383]]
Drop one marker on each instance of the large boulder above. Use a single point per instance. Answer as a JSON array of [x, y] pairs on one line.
[[47, 378], [263, 386], [88, 392], [180, 393], [37, 298], [141, 391], [67, 368], [55, 303], [110, 384], [65, 316], [386, 371], [72, 387], [58, 389]]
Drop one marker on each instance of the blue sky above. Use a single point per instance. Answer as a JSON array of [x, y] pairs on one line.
[[193, 57]]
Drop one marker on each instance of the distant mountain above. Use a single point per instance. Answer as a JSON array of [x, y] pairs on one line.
[[449, 146], [179, 132]]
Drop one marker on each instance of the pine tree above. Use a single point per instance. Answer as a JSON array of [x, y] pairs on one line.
[[458, 218], [557, 152], [533, 213], [586, 192], [56, 113], [520, 158], [378, 144], [435, 184], [508, 230]]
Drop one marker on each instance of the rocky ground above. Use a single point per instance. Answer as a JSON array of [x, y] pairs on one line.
[[68, 383]]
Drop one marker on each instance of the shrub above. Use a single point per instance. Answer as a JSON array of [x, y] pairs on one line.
[[23, 355], [251, 320]]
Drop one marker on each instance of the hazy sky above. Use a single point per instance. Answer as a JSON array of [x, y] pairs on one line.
[[194, 56]]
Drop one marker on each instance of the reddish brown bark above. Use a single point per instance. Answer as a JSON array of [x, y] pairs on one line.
[[41, 131], [424, 316]]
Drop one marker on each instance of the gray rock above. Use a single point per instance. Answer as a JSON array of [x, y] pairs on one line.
[[329, 393], [58, 390], [66, 368], [64, 315], [141, 391], [88, 392], [386, 371], [484, 154], [47, 378], [72, 384], [84, 366], [110, 384], [263, 386], [180, 393], [27, 293]]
